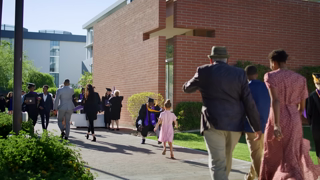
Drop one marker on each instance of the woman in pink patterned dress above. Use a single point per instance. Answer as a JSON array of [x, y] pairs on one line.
[[286, 153], [166, 119]]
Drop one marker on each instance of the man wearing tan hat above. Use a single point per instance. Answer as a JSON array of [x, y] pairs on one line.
[[226, 103]]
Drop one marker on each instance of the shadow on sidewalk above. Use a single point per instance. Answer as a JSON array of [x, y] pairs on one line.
[[103, 147], [206, 165], [181, 149], [104, 172], [122, 130]]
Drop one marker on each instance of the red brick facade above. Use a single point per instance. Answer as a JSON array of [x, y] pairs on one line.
[[121, 57], [124, 56], [250, 29]]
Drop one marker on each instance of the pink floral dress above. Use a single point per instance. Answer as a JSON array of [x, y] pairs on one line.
[[167, 132], [288, 158]]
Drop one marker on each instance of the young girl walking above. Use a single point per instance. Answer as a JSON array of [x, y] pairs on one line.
[[166, 119]]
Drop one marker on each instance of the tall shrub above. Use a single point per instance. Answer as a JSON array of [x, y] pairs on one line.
[[188, 115], [54, 90], [135, 101]]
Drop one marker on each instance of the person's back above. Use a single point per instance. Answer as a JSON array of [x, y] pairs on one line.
[[221, 87], [65, 96], [226, 100], [290, 86]]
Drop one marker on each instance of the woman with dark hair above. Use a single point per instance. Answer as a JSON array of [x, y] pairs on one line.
[[286, 153], [116, 105], [89, 103], [10, 103]]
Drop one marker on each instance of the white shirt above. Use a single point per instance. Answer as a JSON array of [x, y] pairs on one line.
[[44, 97]]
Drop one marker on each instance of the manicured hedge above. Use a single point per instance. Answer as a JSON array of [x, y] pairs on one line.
[[188, 115]]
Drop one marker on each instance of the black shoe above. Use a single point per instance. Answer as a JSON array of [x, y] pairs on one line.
[[112, 129], [159, 142], [62, 135], [118, 129], [87, 136], [143, 141], [94, 139]]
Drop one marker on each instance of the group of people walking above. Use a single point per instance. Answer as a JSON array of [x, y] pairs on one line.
[[234, 101], [64, 103]]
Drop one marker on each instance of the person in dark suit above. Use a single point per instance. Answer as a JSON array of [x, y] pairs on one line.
[[90, 108], [226, 101], [30, 103], [313, 113], [116, 105], [45, 106], [106, 107], [2, 103]]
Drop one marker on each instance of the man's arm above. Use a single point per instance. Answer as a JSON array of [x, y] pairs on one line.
[[56, 101], [193, 84], [249, 105]]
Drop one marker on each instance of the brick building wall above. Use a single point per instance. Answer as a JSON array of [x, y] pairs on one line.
[[122, 58], [249, 28]]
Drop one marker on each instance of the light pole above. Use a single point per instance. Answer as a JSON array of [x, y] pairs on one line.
[[17, 77]]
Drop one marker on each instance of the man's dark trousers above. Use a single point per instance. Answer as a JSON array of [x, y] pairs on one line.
[[45, 114]]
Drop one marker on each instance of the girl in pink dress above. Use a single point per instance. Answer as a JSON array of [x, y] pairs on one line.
[[286, 153], [166, 119]]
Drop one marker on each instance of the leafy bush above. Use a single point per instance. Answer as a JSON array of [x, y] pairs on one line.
[[41, 79], [47, 157], [6, 125], [262, 69], [307, 71], [135, 101], [188, 115], [85, 79], [53, 91]]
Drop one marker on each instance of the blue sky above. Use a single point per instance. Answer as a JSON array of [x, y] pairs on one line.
[[66, 15]]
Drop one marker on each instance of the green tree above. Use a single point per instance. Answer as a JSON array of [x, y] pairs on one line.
[[85, 79], [6, 68]]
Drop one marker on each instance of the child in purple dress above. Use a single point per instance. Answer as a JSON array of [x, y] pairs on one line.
[[166, 133]]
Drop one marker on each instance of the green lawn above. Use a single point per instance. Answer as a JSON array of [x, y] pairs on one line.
[[196, 141]]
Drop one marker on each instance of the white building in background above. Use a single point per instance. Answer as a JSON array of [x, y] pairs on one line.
[[58, 53]]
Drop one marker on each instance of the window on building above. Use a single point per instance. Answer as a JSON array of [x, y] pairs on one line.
[[169, 80], [54, 60], [89, 52], [90, 36]]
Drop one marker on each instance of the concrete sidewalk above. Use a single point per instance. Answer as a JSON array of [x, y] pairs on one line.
[[119, 155]]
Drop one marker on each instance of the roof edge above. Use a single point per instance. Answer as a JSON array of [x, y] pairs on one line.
[[115, 6]]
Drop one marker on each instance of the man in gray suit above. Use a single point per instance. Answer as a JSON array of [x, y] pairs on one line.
[[227, 101], [64, 105]]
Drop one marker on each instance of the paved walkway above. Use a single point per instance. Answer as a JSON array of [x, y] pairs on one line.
[[120, 156]]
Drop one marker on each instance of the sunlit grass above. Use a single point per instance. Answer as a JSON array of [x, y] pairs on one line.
[[196, 141]]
